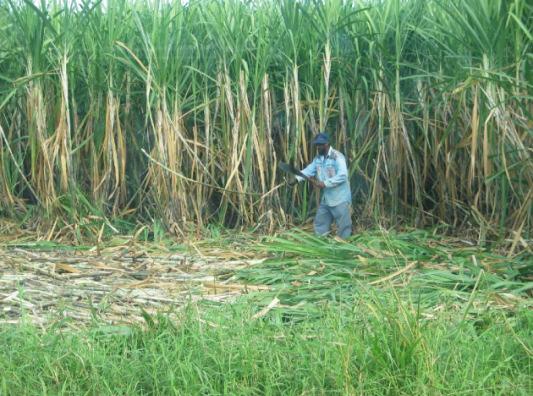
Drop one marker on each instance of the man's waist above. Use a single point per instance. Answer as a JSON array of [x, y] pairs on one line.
[[333, 198]]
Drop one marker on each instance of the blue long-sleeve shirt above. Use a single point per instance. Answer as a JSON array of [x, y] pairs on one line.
[[331, 170]]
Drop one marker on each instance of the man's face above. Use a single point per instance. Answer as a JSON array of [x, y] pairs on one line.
[[322, 149]]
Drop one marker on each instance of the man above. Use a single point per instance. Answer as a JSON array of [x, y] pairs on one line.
[[329, 173]]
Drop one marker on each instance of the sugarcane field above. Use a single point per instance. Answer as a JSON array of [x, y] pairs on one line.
[[266, 197]]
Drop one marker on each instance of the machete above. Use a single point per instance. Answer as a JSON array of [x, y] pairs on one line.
[[293, 170]]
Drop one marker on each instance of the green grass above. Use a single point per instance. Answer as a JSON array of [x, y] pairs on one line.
[[375, 347], [343, 321]]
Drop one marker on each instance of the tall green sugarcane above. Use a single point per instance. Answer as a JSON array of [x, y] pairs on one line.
[[181, 112]]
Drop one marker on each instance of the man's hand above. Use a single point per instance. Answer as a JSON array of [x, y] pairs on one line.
[[317, 183]]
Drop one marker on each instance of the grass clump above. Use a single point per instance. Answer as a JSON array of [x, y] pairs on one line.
[[377, 346]]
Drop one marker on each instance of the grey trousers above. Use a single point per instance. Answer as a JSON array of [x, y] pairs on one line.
[[325, 215]]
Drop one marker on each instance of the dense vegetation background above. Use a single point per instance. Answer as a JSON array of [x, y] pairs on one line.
[[180, 113]]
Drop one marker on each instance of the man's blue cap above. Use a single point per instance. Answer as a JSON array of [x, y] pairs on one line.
[[321, 138]]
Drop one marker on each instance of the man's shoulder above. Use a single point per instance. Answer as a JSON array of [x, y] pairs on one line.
[[336, 154]]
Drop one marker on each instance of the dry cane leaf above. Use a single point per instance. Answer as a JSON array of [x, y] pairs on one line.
[[266, 309], [62, 267]]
